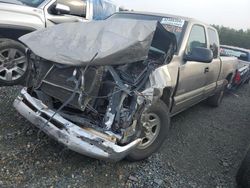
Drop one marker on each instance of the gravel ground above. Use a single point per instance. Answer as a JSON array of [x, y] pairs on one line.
[[205, 149]]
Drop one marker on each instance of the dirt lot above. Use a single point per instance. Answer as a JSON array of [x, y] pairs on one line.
[[204, 150]]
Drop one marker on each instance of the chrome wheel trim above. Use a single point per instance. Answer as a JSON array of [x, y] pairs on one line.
[[151, 125]]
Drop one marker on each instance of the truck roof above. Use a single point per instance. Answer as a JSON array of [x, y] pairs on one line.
[[163, 15]]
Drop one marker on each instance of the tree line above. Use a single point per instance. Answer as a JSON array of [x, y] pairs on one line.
[[233, 37]]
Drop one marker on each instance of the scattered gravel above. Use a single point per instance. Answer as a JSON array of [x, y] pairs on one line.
[[205, 149]]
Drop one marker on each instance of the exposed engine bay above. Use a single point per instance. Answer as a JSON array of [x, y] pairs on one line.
[[105, 91]]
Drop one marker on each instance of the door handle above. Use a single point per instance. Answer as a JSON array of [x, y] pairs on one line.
[[206, 70]]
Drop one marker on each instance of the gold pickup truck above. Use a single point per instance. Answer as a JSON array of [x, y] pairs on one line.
[[107, 89]]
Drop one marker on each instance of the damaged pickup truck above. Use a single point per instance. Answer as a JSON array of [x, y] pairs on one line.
[[107, 89]]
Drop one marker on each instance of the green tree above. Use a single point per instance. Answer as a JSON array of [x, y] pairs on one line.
[[233, 37]]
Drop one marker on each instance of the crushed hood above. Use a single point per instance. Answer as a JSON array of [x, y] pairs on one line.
[[115, 41]]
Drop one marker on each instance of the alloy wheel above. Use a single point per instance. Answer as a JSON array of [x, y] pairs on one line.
[[150, 129], [13, 64]]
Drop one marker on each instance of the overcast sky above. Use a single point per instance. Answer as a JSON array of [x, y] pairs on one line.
[[231, 13]]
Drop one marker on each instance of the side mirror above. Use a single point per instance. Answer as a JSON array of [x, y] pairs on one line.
[[72, 7], [62, 9], [200, 54]]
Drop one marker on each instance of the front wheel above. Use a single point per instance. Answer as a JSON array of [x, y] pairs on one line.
[[13, 63], [155, 123]]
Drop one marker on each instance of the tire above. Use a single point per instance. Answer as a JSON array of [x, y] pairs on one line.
[[247, 82], [243, 174], [4, 40], [157, 120], [216, 99], [13, 63]]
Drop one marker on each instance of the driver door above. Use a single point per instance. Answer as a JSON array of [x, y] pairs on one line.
[[192, 78]]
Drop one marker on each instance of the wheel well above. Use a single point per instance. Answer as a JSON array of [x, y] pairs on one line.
[[167, 97], [14, 33], [229, 77]]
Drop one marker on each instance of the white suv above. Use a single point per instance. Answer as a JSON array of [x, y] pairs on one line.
[[19, 17]]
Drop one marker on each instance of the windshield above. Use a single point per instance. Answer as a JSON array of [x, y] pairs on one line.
[[31, 3], [235, 53], [172, 24]]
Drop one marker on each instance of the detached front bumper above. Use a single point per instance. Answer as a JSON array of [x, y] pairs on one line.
[[85, 141]]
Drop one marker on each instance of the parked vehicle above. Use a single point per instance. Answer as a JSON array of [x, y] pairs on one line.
[[243, 174], [243, 70], [112, 94], [19, 17]]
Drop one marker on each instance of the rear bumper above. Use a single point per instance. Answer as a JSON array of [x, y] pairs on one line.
[[85, 141]]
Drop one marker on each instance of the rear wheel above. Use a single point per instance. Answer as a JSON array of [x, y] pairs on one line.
[[155, 123], [13, 63], [216, 99]]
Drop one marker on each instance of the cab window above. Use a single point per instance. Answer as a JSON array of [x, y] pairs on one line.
[[213, 42], [197, 38]]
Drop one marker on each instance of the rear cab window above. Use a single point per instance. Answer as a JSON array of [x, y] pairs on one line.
[[213, 42]]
